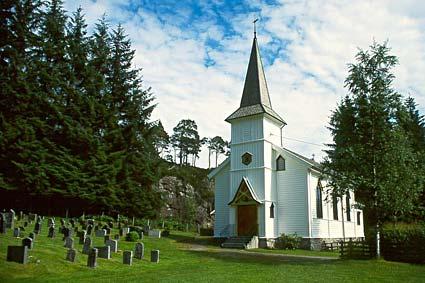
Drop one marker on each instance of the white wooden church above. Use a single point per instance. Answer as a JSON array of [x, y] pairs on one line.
[[263, 190]]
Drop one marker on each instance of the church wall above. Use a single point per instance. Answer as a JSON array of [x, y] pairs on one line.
[[221, 199], [327, 227], [292, 207], [271, 131], [247, 129]]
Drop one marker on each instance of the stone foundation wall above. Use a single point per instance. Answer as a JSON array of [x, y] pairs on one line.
[[306, 243]]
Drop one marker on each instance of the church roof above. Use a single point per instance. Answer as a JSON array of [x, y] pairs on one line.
[[255, 96]]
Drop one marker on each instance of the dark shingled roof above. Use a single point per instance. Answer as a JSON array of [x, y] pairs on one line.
[[255, 97]]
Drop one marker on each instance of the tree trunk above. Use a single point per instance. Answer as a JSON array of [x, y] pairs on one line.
[[342, 218]]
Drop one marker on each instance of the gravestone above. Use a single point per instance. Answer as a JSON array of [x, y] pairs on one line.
[[155, 233], [32, 236], [113, 244], [146, 228], [16, 232], [139, 251], [117, 237], [111, 224], [108, 231], [69, 243], [21, 215], [127, 257], [92, 258], [71, 255], [3, 228], [52, 232], [90, 222], [101, 233], [106, 238], [104, 252], [37, 227], [50, 222], [89, 229], [141, 235], [62, 222], [87, 245], [17, 254], [25, 223], [155, 256], [82, 236], [28, 242], [10, 219], [32, 217], [72, 221], [21, 228]]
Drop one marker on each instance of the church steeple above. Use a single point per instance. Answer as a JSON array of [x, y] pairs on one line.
[[255, 89], [255, 96]]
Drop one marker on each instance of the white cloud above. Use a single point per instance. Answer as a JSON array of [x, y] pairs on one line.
[[305, 82]]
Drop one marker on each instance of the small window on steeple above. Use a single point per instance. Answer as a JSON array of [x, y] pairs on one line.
[[280, 163], [272, 210]]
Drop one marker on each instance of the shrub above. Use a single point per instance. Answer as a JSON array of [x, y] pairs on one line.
[[404, 242], [206, 232], [137, 229], [132, 236], [288, 242]]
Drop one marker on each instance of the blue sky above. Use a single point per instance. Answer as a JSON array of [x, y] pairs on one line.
[[194, 55]]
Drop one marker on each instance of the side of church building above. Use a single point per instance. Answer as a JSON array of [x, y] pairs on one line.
[[263, 189]]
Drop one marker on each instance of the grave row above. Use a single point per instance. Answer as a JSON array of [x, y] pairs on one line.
[[20, 253]]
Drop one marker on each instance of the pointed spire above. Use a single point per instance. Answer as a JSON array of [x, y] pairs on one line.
[[255, 96], [255, 89]]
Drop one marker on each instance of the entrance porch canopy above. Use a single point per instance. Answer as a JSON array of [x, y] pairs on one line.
[[245, 194]]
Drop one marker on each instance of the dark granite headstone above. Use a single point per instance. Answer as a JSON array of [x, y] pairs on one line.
[[71, 255], [52, 232], [127, 257], [117, 237], [87, 245], [16, 232], [113, 244], [81, 237], [17, 254], [155, 256], [28, 242], [37, 227], [69, 243], [25, 223], [3, 228], [104, 252], [32, 236], [89, 229], [92, 258], [139, 251], [106, 238]]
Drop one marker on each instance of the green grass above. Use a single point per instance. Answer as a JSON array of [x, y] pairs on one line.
[[204, 263]]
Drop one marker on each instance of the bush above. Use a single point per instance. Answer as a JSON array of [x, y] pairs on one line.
[[288, 242], [132, 236], [206, 232], [404, 242], [137, 229]]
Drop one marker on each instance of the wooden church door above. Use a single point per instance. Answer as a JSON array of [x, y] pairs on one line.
[[247, 220]]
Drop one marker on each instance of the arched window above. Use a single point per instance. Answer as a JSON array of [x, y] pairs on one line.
[[272, 210], [319, 210], [280, 163], [335, 206], [348, 208]]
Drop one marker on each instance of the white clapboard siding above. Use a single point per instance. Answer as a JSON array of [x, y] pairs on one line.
[[292, 204], [221, 199]]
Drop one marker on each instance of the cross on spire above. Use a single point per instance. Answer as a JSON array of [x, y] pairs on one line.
[[255, 28]]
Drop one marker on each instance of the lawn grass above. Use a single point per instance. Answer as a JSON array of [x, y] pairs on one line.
[[203, 263]]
